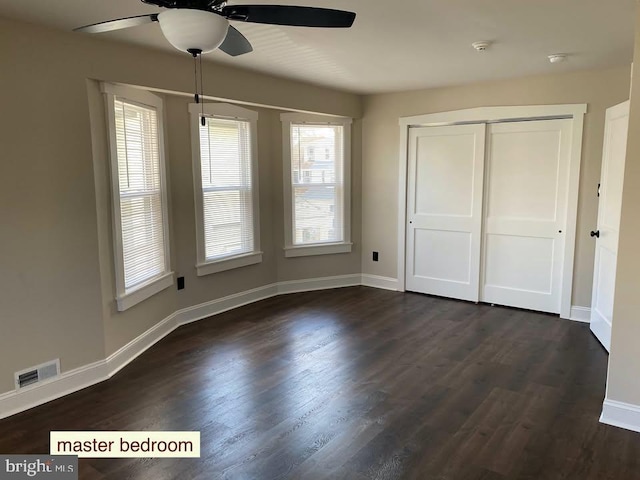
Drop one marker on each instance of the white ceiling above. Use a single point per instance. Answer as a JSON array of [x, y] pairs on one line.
[[398, 44]]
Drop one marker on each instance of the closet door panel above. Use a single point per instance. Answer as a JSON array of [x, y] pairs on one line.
[[444, 210], [526, 200]]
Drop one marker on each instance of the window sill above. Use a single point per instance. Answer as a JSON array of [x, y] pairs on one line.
[[228, 263], [144, 291], [317, 249]]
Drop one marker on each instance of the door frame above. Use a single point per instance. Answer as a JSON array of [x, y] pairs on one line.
[[489, 115]]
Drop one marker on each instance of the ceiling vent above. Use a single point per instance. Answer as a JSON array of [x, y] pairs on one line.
[[37, 374]]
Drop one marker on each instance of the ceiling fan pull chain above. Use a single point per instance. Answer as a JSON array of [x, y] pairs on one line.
[[195, 77], [202, 119], [194, 53]]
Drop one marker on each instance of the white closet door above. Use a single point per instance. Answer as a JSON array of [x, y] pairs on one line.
[[609, 208], [444, 210], [525, 209]]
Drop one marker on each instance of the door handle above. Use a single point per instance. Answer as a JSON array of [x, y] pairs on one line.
[[595, 234]]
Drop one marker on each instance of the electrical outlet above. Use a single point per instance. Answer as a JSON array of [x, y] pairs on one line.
[[180, 283], [375, 256]]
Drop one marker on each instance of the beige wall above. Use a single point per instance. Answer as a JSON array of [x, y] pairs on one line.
[[50, 279], [56, 287], [599, 89], [622, 383]]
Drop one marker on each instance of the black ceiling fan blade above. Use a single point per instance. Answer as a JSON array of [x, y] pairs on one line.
[[118, 24], [194, 4], [290, 15], [235, 43], [160, 3]]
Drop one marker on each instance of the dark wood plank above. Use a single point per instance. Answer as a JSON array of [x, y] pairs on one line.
[[357, 384]]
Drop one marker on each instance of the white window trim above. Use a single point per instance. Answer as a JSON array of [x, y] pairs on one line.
[[144, 291], [229, 111], [329, 248], [127, 299]]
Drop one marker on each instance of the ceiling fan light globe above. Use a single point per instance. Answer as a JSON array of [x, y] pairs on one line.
[[187, 29]]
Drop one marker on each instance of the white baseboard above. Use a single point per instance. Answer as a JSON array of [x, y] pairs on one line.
[[376, 281], [580, 314], [224, 304], [136, 347], [16, 401], [602, 330], [310, 284], [620, 414]]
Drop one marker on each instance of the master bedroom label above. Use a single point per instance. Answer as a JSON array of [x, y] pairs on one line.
[[126, 444]]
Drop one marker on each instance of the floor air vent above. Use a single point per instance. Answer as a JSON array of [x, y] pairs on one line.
[[37, 374]]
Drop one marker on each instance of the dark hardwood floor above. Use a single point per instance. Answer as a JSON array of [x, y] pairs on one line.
[[356, 384]]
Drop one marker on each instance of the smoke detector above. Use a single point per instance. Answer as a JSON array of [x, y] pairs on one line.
[[481, 46], [558, 58]]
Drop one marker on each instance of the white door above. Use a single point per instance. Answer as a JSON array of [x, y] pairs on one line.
[[606, 235], [444, 210], [526, 189]]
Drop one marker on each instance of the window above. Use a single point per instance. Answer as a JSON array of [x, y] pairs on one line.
[[139, 194], [317, 194], [225, 176]]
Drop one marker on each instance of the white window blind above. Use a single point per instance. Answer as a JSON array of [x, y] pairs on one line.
[[140, 191], [227, 197], [317, 166]]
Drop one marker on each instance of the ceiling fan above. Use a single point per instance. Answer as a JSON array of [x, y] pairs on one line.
[[201, 26]]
